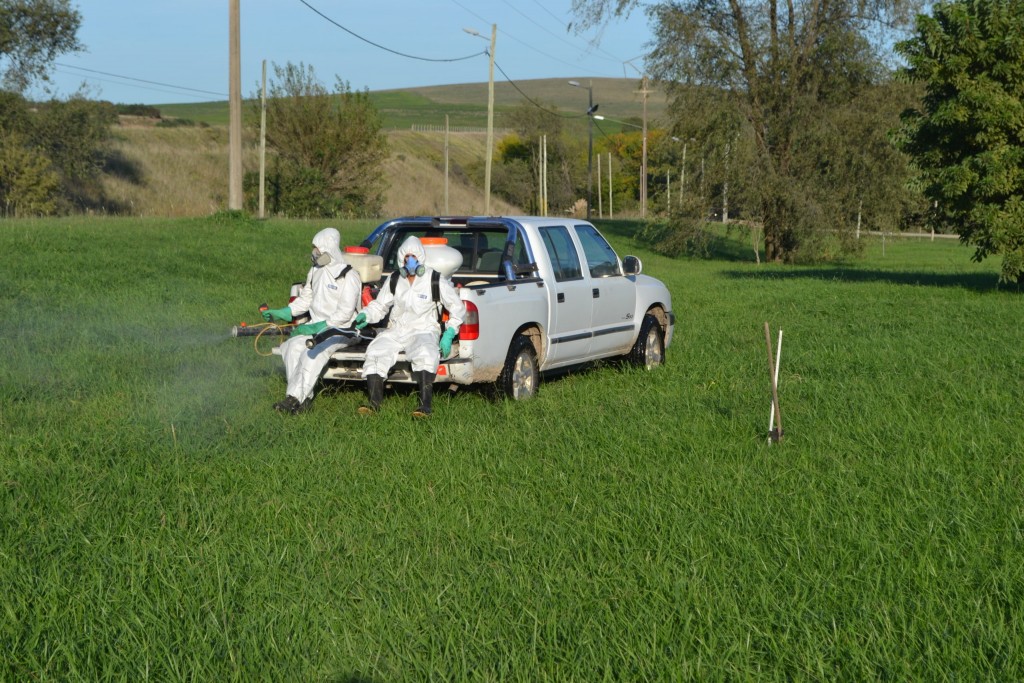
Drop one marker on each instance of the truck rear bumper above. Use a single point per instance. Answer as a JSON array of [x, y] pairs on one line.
[[347, 365]]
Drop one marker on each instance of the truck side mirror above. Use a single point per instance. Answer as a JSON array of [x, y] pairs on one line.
[[631, 265]]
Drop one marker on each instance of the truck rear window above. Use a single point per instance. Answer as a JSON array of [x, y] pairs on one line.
[[480, 249]]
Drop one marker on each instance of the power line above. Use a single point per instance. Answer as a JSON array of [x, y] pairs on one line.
[[107, 80], [388, 49], [524, 44], [531, 100], [590, 48], [140, 80]]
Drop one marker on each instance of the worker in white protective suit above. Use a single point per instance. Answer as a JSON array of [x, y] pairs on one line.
[[331, 296], [414, 327]]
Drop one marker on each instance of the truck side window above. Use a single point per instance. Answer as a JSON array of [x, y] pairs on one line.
[[562, 253], [601, 258]]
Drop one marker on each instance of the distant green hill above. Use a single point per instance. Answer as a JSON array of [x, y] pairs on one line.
[[465, 104]]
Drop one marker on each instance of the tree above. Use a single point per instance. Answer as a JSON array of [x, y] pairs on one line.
[[330, 147], [33, 33], [967, 136], [781, 69], [517, 173]]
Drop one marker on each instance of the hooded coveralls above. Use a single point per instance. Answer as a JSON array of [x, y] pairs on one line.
[[413, 326], [326, 299]]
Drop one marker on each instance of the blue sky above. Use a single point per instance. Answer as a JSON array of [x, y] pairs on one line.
[[163, 51]]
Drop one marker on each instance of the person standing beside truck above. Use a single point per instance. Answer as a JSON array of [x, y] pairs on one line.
[[414, 327], [330, 295]]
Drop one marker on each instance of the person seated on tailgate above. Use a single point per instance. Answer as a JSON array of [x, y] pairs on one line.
[[414, 327], [330, 295]]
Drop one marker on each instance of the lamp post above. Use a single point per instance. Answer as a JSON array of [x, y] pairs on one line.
[[490, 117], [591, 108]]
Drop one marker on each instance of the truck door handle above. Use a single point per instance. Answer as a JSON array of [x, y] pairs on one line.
[[597, 293], [561, 297]]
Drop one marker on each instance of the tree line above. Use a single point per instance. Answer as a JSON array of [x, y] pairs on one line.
[[823, 126], [804, 124]]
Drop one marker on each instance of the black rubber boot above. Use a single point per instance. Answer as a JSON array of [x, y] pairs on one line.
[[425, 381], [375, 392], [289, 405]]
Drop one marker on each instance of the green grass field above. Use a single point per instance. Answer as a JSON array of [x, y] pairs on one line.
[[158, 520]]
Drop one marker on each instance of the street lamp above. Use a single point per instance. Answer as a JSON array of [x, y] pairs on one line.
[[490, 117], [591, 108]]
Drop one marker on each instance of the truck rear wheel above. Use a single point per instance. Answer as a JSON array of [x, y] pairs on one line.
[[521, 374], [649, 349]]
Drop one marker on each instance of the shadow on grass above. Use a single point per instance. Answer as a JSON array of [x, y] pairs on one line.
[[721, 243], [118, 165], [978, 282]]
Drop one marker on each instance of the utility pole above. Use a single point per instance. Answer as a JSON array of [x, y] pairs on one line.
[[446, 213], [540, 175], [682, 178], [591, 109], [235, 110], [611, 212], [490, 125], [490, 116], [263, 143], [544, 166], [600, 210], [643, 164]]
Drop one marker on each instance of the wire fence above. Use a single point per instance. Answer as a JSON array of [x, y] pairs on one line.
[[436, 128]]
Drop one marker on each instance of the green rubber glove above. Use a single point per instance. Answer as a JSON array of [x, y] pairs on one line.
[[360, 321], [309, 328], [284, 314], [446, 342]]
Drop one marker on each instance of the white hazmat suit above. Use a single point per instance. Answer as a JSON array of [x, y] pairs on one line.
[[413, 326], [327, 297]]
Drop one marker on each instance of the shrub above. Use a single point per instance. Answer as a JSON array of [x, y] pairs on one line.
[[138, 110], [28, 184]]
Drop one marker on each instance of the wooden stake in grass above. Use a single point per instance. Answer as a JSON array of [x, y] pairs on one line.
[[775, 416]]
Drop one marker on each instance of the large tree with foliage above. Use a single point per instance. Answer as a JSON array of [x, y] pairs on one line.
[[783, 69], [329, 148], [967, 136], [33, 33]]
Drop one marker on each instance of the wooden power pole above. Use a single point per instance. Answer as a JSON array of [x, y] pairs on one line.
[[234, 111], [263, 144]]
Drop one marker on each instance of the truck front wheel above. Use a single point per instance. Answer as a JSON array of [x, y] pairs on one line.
[[520, 375], [649, 349]]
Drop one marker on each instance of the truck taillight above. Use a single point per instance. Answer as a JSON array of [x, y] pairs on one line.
[[470, 329]]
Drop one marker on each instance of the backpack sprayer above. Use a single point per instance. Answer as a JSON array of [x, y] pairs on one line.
[[368, 266]]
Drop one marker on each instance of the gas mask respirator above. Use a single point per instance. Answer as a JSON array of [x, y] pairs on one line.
[[319, 258], [412, 267]]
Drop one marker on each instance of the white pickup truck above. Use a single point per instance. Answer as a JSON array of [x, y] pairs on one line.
[[541, 293]]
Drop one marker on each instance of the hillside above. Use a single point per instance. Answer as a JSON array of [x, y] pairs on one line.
[[466, 103], [182, 171]]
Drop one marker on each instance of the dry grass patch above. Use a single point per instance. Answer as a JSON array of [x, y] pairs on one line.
[[182, 171]]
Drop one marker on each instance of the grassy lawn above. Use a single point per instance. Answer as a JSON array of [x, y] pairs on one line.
[[158, 520]]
